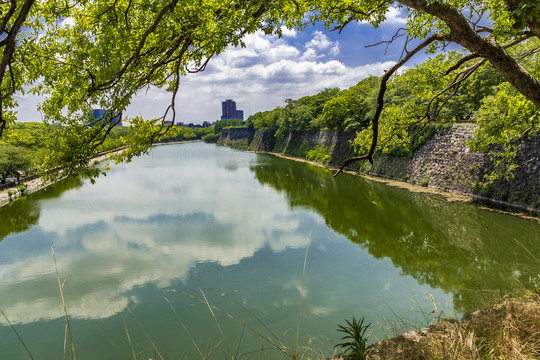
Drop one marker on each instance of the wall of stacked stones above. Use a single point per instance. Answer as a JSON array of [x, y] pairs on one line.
[[444, 162]]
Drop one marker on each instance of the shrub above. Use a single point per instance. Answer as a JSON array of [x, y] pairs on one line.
[[424, 182], [211, 138], [355, 346]]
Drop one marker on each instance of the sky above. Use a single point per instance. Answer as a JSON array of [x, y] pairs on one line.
[[269, 70]]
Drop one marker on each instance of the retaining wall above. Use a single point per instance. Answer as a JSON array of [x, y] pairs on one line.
[[444, 162]]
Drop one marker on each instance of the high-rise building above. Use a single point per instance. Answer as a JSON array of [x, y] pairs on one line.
[[240, 114], [228, 109]]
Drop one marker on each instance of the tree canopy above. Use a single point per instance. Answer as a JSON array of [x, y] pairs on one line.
[[100, 53]]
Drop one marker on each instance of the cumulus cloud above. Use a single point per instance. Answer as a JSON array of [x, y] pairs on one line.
[[394, 16], [319, 41], [288, 32], [261, 75]]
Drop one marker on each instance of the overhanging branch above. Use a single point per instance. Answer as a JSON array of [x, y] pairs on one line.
[[380, 101]]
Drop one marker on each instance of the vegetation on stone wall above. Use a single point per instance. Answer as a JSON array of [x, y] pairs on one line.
[[411, 115]]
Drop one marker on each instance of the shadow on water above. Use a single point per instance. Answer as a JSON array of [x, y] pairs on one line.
[[474, 254], [23, 213]]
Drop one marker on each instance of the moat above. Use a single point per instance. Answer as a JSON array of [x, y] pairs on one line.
[[142, 249]]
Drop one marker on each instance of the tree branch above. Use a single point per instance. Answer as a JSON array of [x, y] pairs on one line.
[[463, 34], [7, 56], [380, 101]]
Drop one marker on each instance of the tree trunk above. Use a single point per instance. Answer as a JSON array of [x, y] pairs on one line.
[[462, 34]]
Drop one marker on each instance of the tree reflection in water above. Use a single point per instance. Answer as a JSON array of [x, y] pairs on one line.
[[23, 213], [475, 254]]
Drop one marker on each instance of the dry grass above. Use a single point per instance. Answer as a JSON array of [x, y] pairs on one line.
[[510, 330]]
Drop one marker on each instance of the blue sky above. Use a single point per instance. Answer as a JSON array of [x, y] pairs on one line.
[[269, 70]]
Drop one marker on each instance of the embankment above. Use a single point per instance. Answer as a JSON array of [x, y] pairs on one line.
[[236, 137], [444, 162], [38, 184]]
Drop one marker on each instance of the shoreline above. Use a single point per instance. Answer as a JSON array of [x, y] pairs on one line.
[[37, 184], [414, 188]]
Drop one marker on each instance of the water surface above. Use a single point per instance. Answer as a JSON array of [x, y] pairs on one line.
[[154, 255]]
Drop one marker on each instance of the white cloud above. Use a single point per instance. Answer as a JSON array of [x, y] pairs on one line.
[[319, 41], [310, 54], [261, 76], [394, 16], [334, 51], [69, 21], [288, 32]]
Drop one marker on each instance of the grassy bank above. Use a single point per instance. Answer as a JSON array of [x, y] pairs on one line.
[[509, 330]]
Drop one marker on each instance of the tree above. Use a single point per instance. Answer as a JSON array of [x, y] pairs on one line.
[[12, 160], [100, 53], [488, 30]]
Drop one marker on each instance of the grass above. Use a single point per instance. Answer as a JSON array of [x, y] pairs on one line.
[[67, 333], [509, 330]]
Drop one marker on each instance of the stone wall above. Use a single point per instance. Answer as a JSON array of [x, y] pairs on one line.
[[326, 146], [236, 136], [31, 187], [444, 162]]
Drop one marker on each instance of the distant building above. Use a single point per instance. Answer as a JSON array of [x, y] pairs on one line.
[[176, 123], [240, 114], [101, 115], [229, 111]]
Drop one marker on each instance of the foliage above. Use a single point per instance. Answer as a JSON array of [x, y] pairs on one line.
[[211, 138], [318, 153], [83, 55], [355, 343], [222, 124], [12, 160]]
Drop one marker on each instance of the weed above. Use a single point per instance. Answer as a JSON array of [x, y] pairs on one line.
[[486, 191], [68, 327], [424, 182], [510, 330], [356, 347], [21, 188], [403, 176]]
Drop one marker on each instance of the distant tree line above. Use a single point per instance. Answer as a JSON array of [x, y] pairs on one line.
[[25, 145]]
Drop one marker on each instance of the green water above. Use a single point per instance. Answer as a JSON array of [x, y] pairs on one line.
[[141, 251]]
